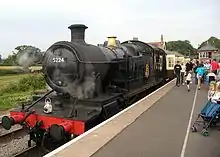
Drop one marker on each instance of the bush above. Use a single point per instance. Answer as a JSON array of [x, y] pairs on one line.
[[32, 82]]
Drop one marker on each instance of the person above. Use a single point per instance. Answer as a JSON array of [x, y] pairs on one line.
[[195, 67], [207, 67], [189, 66], [177, 69], [214, 66], [199, 74], [216, 97], [188, 79], [182, 73], [211, 92]]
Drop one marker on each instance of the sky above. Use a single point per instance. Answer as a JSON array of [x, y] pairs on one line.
[[40, 23]]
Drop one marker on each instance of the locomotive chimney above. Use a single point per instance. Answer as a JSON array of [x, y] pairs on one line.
[[111, 41], [78, 32]]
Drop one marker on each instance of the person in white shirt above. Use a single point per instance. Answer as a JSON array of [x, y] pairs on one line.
[[183, 70], [188, 80]]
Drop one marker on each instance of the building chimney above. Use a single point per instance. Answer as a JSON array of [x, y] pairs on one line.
[[111, 41], [78, 33], [161, 38]]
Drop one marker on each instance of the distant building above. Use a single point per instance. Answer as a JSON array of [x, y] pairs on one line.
[[208, 52], [161, 44]]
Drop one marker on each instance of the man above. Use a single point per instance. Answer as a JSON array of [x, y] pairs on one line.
[[189, 67], [182, 73], [214, 66], [177, 70]]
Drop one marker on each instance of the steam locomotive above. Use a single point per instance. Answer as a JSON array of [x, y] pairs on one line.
[[88, 85]]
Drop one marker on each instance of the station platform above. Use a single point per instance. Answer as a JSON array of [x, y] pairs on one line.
[[162, 130]]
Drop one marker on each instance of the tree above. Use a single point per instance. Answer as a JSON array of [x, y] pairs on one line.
[[24, 55], [183, 47], [10, 60]]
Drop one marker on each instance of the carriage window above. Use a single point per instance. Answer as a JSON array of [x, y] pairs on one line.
[[170, 62]]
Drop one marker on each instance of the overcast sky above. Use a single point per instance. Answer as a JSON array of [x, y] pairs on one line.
[[42, 22]]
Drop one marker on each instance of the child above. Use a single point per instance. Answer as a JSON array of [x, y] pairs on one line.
[[216, 97], [188, 79], [211, 91]]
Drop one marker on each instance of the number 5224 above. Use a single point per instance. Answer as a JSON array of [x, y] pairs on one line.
[[58, 59]]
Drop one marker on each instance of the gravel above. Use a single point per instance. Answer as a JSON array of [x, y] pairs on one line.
[[14, 146], [13, 128]]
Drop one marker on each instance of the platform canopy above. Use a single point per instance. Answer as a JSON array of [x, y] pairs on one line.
[[206, 48]]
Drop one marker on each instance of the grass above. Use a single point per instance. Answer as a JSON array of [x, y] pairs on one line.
[[15, 89], [5, 80]]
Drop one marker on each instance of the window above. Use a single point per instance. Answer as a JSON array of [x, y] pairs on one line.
[[170, 62], [203, 55]]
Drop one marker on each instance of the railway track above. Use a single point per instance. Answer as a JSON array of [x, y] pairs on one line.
[[14, 134], [25, 152]]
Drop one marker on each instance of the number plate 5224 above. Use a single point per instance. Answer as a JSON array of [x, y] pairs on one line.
[[58, 59]]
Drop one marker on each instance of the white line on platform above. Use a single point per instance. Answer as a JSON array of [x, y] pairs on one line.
[[103, 123], [189, 124]]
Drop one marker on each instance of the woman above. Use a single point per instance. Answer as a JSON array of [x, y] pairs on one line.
[[200, 71]]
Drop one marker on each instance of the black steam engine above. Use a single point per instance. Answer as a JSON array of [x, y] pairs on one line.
[[89, 84]]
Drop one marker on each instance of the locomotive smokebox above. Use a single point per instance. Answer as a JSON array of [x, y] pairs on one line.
[[78, 33]]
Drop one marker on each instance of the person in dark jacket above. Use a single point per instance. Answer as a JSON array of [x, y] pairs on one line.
[[189, 67], [177, 70]]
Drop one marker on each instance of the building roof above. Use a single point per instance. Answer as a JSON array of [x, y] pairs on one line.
[[174, 53], [207, 47], [157, 44]]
